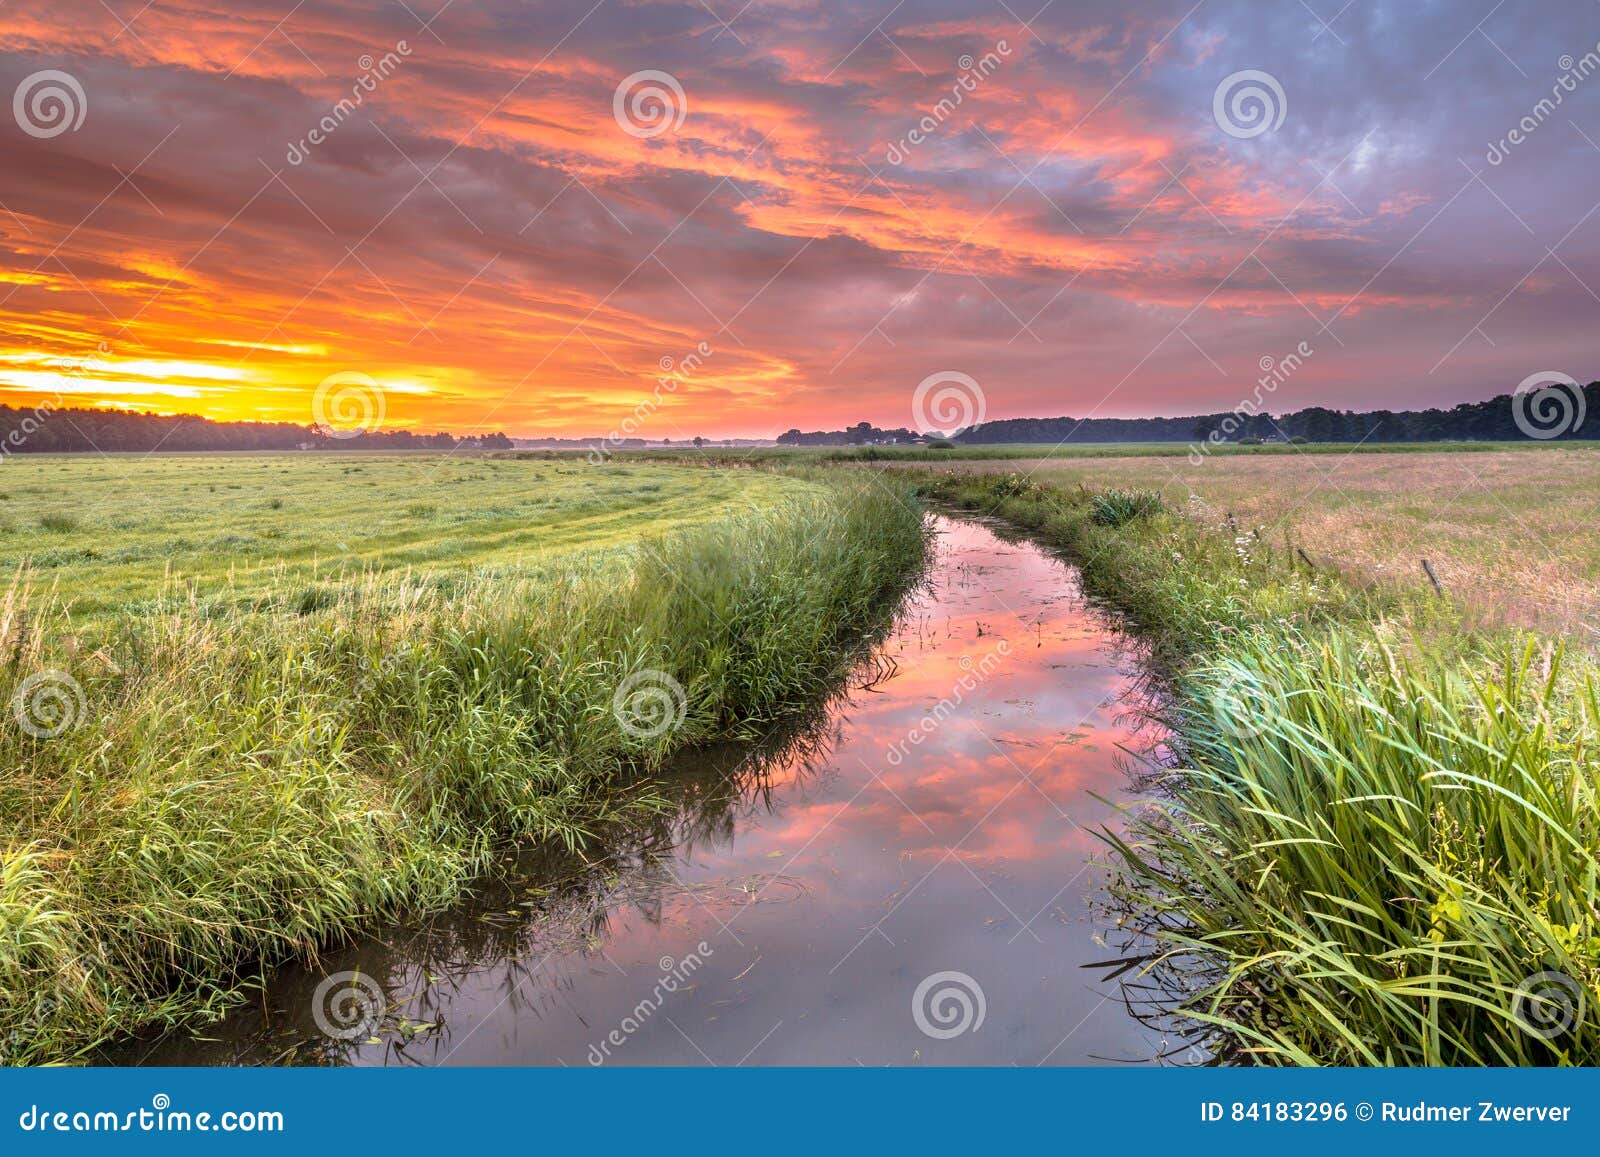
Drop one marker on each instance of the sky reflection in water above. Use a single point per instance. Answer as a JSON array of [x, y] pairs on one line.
[[825, 891]]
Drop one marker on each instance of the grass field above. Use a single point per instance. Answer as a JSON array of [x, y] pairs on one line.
[[372, 689], [1377, 841], [1513, 533], [1510, 527], [303, 694], [129, 534]]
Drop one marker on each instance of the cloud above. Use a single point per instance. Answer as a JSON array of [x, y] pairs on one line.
[[1070, 225]]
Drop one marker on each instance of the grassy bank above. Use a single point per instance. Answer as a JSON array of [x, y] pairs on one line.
[[1377, 845], [1509, 530], [197, 786]]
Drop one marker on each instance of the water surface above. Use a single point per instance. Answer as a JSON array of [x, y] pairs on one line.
[[912, 882]]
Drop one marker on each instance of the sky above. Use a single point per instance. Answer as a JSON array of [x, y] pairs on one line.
[[724, 218]]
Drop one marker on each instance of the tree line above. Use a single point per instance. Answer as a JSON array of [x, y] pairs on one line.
[[861, 434], [1556, 416], [1560, 415], [46, 430]]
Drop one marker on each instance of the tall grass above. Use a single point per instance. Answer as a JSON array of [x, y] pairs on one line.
[[1377, 843], [236, 788], [1119, 507]]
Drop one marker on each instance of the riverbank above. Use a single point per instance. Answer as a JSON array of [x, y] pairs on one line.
[[199, 789], [924, 840], [1377, 844]]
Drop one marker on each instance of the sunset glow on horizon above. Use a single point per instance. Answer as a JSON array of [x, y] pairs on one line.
[[524, 218]]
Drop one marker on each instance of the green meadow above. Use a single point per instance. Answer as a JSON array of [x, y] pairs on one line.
[[130, 534], [257, 705]]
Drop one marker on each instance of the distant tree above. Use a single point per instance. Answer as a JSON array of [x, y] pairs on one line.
[[44, 429], [1319, 423], [699, 441], [861, 434]]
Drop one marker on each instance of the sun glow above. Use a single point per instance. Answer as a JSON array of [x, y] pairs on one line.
[[528, 265]]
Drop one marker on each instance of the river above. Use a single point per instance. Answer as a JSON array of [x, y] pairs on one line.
[[912, 881]]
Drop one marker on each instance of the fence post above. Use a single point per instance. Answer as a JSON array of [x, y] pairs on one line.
[[1427, 568]]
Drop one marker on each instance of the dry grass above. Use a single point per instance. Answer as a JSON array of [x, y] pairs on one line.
[[1514, 535]]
